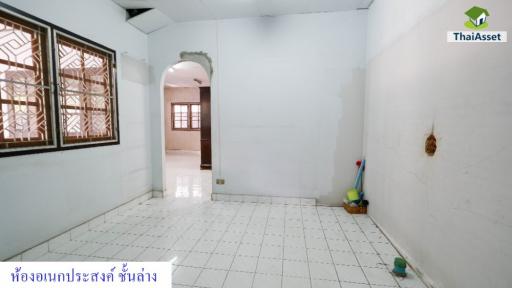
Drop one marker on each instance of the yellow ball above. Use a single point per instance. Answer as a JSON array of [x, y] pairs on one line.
[[352, 195]]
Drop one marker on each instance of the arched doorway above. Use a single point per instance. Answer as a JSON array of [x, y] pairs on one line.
[[187, 129]]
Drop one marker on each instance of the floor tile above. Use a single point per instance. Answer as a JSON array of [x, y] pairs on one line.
[[325, 284], [244, 264], [150, 254], [272, 240], [350, 274], [377, 276], [67, 247], [322, 271], [184, 245], [384, 248], [211, 278], [254, 239], [88, 249], [186, 275], [213, 235], [95, 259], [322, 256], [232, 237], [205, 246], [356, 236], [316, 243], [106, 237], [339, 245], [88, 236], [120, 228], [362, 247], [376, 237], [143, 241], [220, 261], [227, 248], [267, 281], [344, 257], [269, 266], [369, 260], [196, 259], [107, 251], [295, 268], [129, 253], [271, 252], [72, 258], [291, 241], [124, 239], [238, 280], [335, 235], [49, 257], [248, 250], [294, 232], [354, 285], [411, 281], [295, 253], [292, 282], [178, 256]]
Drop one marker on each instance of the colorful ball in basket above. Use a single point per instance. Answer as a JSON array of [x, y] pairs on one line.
[[352, 195]]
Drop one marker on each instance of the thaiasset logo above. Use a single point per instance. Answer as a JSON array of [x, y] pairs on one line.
[[477, 22]]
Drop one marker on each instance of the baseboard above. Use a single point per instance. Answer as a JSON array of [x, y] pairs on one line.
[[263, 199], [158, 194], [411, 262], [46, 246]]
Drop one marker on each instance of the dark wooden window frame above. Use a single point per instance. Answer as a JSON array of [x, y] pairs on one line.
[[55, 127], [42, 86], [110, 85], [189, 116]]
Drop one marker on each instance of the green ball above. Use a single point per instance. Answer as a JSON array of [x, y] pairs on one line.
[[400, 262]]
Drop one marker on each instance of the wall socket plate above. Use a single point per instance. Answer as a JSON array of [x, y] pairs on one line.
[[220, 181]]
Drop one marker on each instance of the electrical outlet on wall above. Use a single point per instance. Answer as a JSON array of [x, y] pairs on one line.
[[220, 181]]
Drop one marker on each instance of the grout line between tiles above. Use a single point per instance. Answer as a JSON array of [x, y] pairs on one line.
[[353, 251], [218, 241], [306, 245], [258, 259]]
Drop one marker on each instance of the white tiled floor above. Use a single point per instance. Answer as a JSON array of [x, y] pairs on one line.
[[185, 180], [239, 245]]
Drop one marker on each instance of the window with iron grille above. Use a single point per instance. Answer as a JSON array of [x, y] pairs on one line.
[[86, 92], [38, 113], [25, 85], [186, 116]]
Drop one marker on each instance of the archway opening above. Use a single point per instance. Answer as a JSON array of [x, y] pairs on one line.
[[187, 131]]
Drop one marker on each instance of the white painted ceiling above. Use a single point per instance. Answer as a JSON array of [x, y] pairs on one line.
[[191, 10], [184, 73], [150, 21]]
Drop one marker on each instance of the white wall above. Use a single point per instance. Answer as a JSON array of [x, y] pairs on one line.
[[176, 139], [450, 214], [45, 194], [287, 100]]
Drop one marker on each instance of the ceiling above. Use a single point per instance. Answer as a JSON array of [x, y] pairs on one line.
[[184, 73], [191, 10]]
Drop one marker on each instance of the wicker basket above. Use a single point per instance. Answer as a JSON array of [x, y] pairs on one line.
[[355, 210]]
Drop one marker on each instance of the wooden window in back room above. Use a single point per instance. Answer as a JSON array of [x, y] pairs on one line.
[[186, 116], [86, 92], [25, 85]]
